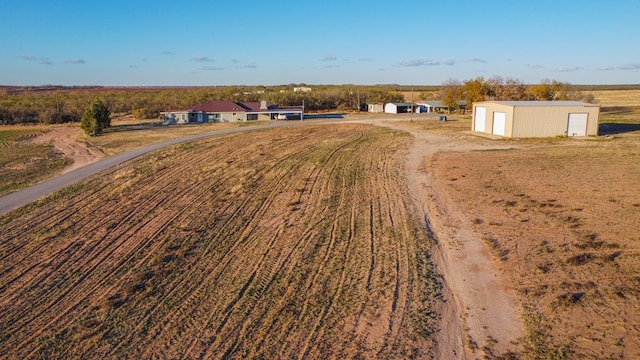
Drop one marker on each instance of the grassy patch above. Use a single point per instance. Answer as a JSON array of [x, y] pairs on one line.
[[23, 163]]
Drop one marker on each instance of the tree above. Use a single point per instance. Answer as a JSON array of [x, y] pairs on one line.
[[451, 92], [476, 90], [552, 90], [139, 113], [96, 118]]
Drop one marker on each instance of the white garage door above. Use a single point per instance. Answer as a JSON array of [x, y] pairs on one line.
[[480, 120], [577, 125], [499, 123]]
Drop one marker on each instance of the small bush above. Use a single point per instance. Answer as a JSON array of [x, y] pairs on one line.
[[580, 259]]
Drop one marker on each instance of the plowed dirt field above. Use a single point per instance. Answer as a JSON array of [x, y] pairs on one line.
[[289, 243]]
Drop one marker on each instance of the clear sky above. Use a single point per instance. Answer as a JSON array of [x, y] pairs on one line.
[[252, 42]]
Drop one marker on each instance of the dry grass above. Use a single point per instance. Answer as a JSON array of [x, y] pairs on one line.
[[254, 246], [127, 133], [247, 246], [615, 98], [568, 239], [23, 163]]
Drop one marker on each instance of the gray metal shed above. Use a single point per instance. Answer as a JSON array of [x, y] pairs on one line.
[[524, 119]]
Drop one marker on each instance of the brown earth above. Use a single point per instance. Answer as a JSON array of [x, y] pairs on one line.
[[289, 243], [481, 314], [537, 242], [562, 220], [65, 140]]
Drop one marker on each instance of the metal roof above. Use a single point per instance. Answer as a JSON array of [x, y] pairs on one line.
[[433, 103], [219, 106], [539, 103]]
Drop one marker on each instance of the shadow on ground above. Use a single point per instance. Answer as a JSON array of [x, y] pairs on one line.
[[143, 125], [617, 128], [324, 116]]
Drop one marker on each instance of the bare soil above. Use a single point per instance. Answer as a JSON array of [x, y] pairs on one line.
[[561, 220], [318, 242], [481, 315], [65, 140], [290, 243]]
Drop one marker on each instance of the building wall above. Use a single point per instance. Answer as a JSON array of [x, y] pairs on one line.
[[233, 117], [391, 108], [376, 108], [536, 121], [491, 109]]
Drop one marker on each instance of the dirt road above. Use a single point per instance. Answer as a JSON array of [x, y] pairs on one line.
[[482, 314], [65, 140]]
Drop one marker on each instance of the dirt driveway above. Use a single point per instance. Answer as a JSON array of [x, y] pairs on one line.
[[65, 140], [480, 311]]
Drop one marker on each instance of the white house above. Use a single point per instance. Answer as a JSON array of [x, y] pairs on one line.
[[301, 89], [228, 111]]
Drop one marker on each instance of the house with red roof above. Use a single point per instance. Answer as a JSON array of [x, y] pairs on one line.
[[229, 111]]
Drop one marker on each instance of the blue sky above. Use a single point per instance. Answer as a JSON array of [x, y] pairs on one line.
[[250, 42]]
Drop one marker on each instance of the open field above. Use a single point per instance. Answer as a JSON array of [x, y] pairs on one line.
[[289, 243], [609, 98], [562, 222], [127, 133], [304, 243], [23, 163], [29, 154]]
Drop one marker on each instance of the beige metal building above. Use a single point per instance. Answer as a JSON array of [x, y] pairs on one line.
[[524, 119]]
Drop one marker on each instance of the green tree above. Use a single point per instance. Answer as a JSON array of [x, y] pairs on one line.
[[96, 118]]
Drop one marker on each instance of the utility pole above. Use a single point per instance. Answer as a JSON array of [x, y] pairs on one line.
[[411, 106], [58, 107]]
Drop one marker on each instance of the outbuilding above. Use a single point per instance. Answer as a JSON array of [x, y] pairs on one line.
[[397, 108], [525, 119], [429, 106], [375, 107]]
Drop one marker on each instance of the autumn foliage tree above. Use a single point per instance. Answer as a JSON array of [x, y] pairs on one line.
[[451, 92], [96, 118], [499, 89]]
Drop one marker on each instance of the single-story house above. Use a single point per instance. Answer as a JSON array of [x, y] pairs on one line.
[[375, 107], [397, 108], [229, 111], [301, 89], [429, 106], [523, 119]]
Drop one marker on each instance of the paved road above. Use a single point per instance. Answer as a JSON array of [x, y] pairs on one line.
[[25, 196]]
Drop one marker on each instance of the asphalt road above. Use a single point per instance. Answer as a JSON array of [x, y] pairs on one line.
[[27, 195]]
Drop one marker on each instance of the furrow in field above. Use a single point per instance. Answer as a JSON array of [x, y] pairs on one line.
[[287, 243], [275, 211], [119, 248], [282, 165], [99, 253]]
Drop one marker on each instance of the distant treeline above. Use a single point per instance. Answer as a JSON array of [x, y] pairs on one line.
[[52, 105], [58, 104]]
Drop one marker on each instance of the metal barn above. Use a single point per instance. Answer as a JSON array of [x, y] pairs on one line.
[[526, 119]]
